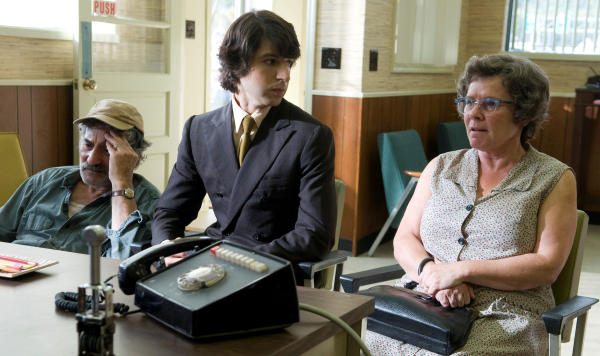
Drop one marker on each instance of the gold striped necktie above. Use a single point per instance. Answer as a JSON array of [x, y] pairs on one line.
[[247, 123]]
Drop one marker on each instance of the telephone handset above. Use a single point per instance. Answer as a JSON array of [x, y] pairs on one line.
[[138, 266], [222, 289]]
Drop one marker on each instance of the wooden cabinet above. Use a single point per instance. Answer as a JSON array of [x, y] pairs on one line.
[[586, 149]]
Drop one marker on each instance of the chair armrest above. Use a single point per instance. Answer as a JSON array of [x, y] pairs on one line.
[[333, 258], [352, 282], [557, 317], [413, 174]]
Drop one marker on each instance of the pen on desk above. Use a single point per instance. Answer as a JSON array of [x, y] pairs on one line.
[[21, 265], [8, 269], [13, 265], [8, 258]]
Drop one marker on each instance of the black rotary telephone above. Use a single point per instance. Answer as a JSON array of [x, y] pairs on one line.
[[221, 289]]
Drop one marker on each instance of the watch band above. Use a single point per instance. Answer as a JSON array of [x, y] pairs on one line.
[[422, 264], [127, 193]]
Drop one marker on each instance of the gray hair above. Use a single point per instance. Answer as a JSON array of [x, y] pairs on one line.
[[134, 137], [524, 80]]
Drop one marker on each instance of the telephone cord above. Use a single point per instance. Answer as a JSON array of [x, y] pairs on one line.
[[339, 322]]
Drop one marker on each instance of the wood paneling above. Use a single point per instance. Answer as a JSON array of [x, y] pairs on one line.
[[64, 96], [43, 118], [357, 122], [586, 149], [26, 125], [8, 111], [45, 144]]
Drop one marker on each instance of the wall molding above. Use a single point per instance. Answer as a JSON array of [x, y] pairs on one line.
[[48, 34], [382, 94], [562, 95], [36, 82]]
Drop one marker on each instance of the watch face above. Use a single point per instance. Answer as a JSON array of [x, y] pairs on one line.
[[129, 193]]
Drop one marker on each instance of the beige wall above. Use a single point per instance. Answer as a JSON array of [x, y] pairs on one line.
[[194, 62], [35, 59], [295, 13], [340, 24], [358, 26]]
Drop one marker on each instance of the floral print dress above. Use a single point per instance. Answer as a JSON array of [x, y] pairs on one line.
[[457, 227]]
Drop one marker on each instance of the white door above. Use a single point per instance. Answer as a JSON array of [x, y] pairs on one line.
[[131, 50]]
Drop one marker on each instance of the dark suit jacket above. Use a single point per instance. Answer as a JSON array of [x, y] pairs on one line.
[[281, 201]]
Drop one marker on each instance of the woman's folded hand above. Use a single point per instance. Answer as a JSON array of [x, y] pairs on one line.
[[439, 276], [458, 296]]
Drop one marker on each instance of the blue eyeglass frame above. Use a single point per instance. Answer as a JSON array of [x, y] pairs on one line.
[[497, 102]]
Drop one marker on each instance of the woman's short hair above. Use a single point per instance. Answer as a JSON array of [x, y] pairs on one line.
[[134, 137], [245, 36], [524, 80]]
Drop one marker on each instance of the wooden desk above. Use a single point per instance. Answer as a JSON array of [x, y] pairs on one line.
[[31, 324]]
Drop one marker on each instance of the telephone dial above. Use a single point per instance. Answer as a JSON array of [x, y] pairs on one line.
[[221, 289]]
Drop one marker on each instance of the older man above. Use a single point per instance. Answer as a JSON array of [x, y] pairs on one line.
[[51, 208]]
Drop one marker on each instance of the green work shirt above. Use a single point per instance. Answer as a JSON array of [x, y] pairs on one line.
[[37, 215]]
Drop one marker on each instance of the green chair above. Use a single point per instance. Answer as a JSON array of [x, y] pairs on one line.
[[332, 265], [452, 136], [558, 320], [402, 156], [12, 161], [570, 306]]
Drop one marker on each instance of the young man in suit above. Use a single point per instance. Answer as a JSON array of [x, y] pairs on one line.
[[266, 165]]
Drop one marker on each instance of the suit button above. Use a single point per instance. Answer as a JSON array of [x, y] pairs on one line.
[[462, 241], [228, 234], [255, 236], [469, 207], [220, 195], [263, 199]]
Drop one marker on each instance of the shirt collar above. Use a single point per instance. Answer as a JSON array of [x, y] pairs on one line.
[[239, 114], [519, 178], [71, 179]]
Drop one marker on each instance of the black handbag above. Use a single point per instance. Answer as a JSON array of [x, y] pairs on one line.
[[419, 320]]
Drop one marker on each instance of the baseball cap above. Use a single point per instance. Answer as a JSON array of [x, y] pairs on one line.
[[118, 114]]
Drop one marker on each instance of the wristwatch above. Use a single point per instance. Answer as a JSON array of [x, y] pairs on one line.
[[127, 193]]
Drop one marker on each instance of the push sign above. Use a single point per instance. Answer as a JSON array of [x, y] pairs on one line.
[[105, 8]]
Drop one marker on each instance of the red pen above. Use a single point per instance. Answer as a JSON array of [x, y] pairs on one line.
[[13, 265], [18, 260]]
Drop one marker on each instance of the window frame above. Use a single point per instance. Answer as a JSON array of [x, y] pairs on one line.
[[402, 68], [575, 57]]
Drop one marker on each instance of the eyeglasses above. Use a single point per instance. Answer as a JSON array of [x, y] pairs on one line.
[[487, 105]]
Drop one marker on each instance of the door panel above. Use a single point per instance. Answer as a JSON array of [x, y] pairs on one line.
[[135, 57]]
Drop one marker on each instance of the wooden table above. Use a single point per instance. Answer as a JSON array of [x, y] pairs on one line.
[[32, 325]]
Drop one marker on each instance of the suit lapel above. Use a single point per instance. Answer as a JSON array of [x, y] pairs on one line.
[[219, 139], [272, 135]]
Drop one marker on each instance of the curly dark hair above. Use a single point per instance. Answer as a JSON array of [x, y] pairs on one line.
[[245, 36], [134, 137], [524, 80]]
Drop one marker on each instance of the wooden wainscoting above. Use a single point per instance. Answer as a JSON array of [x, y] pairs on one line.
[[356, 122], [43, 118]]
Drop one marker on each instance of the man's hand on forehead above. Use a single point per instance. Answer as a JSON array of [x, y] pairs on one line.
[[123, 160]]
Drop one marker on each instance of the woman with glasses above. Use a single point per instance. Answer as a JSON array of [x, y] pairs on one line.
[[491, 226]]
